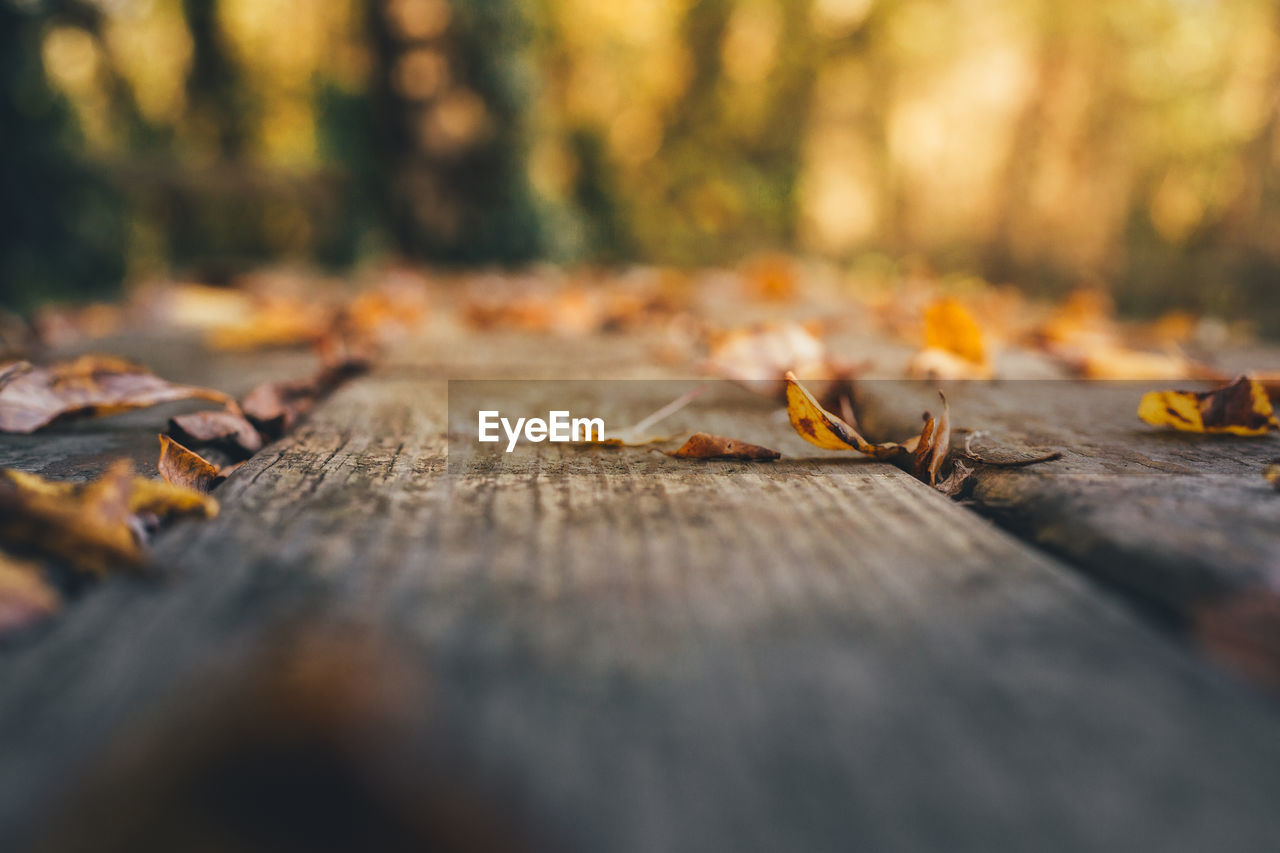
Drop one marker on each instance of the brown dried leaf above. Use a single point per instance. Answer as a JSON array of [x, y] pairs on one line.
[[276, 407], [1240, 408], [957, 481], [226, 430], [25, 597], [93, 526], [182, 467], [1271, 473], [703, 445], [93, 385], [933, 445]]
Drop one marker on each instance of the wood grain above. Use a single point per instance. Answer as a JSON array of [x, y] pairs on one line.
[[1184, 523], [616, 651]]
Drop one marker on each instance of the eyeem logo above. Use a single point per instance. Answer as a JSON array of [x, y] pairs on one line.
[[558, 426]]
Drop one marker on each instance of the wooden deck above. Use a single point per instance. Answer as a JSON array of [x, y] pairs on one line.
[[621, 651]]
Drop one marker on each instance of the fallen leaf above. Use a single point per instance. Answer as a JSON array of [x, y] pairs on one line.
[[26, 598], [704, 445], [274, 408], [922, 456], [93, 526], [955, 483], [1269, 379], [90, 526], [167, 501], [228, 431], [933, 445], [1271, 473], [954, 345], [949, 326], [1240, 408], [821, 428], [182, 467], [93, 385]]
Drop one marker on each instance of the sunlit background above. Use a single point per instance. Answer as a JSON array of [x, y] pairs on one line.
[[1129, 145]]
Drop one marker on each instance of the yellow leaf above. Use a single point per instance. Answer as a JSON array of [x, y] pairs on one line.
[[821, 428], [1241, 408], [949, 326], [93, 526]]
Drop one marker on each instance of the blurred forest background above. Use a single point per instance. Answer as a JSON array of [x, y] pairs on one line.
[[1042, 143]]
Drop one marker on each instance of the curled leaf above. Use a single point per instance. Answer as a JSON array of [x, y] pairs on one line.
[[226, 430], [957, 481], [1241, 408], [704, 445], [933, 445], [821, 428], [182, 467], [922, 456], [93, 385], [1271, 473], [274, 408]]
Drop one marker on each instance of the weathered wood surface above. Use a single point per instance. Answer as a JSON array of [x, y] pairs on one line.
[[612, 651], [1183, 522]]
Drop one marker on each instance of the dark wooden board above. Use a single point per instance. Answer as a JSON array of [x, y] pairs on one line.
[[1183, 522], [615, 651]]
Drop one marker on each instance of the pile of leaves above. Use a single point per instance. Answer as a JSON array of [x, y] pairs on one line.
[[53, 534]]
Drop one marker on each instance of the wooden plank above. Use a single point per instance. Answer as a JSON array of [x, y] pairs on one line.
[[1182, 522], [627, 654]]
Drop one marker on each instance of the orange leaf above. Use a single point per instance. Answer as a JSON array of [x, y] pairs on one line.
[[704, 445], [182, 467]]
